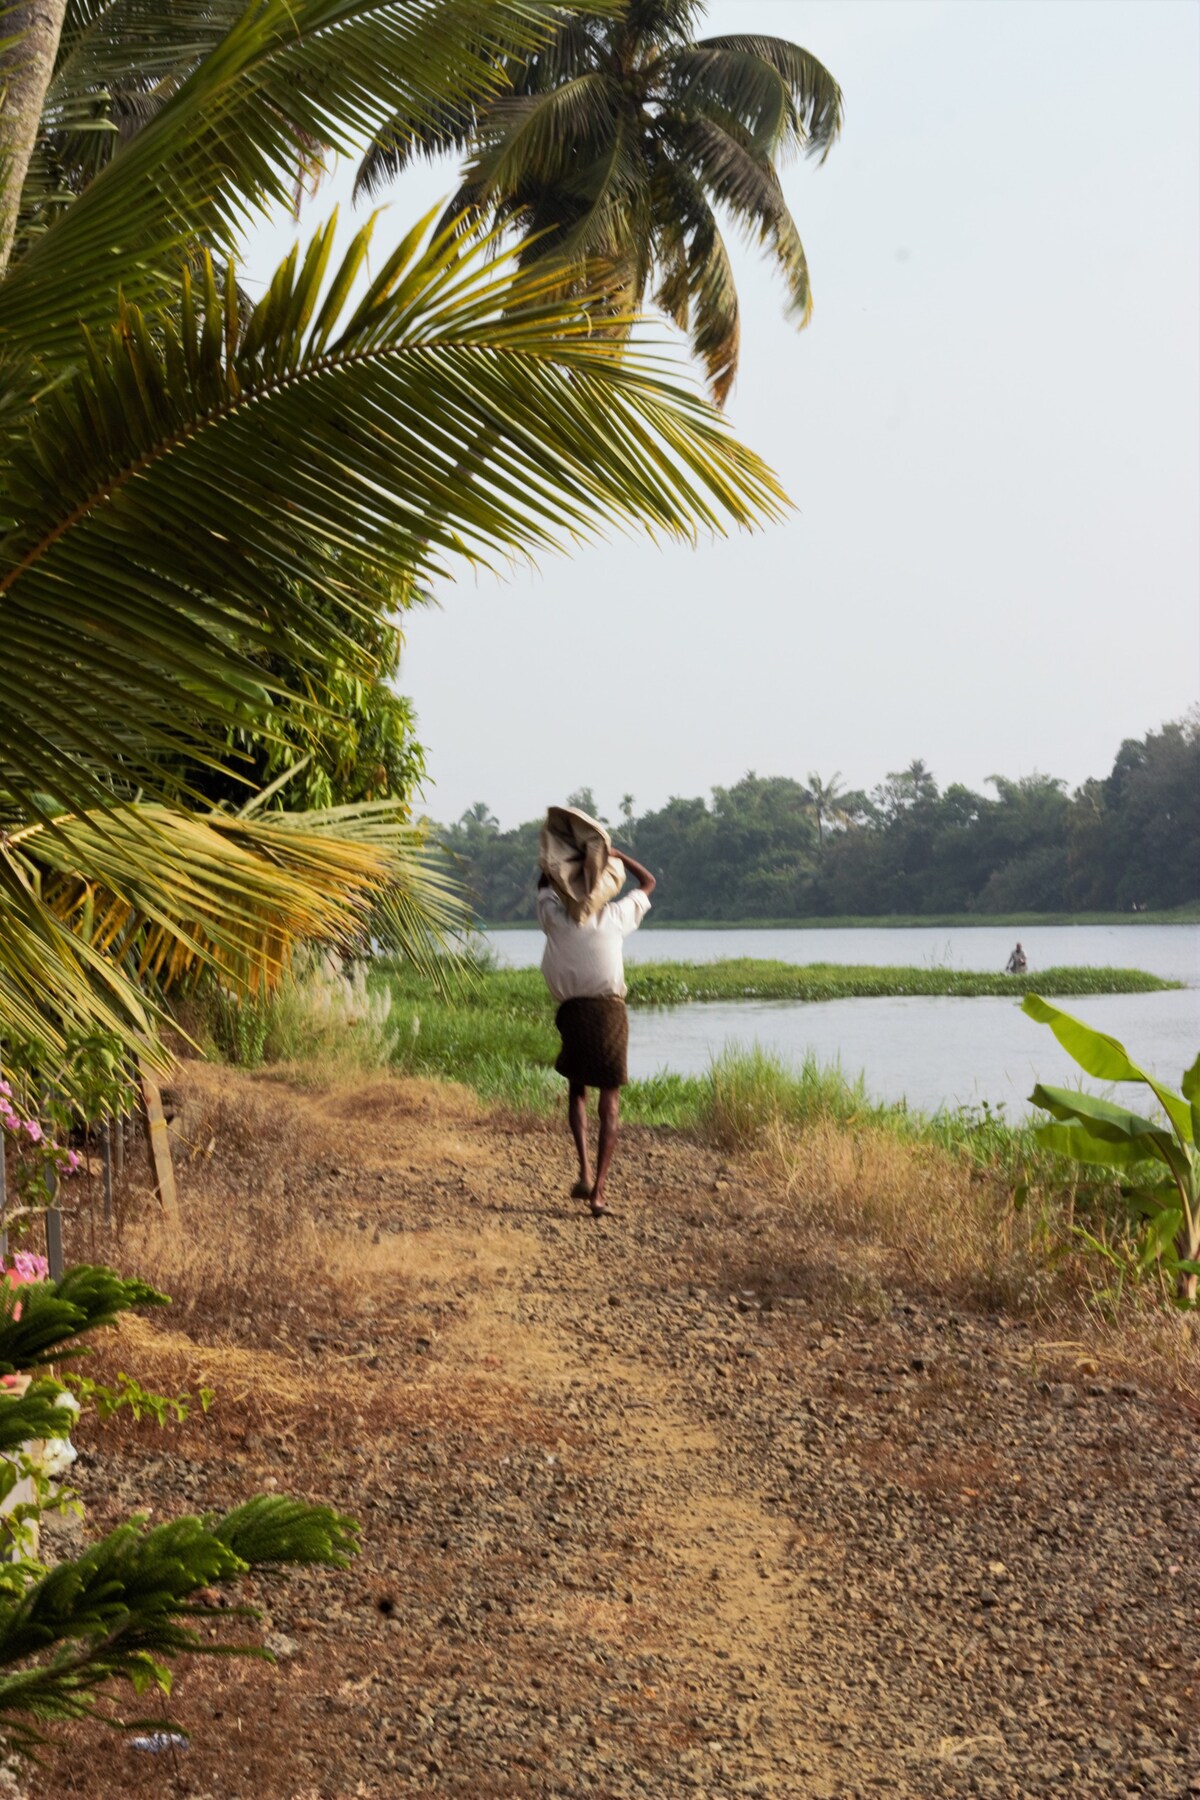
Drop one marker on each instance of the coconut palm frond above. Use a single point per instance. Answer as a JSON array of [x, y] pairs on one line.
[[538, 139], [698, 290], [163, 501], [421, 910], [573, 159], [746, 183], [161, 892], [784, 96], [286, 76], [55, 985]]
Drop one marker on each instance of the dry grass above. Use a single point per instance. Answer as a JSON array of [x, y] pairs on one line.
[[953, 1226], [284, 1299]]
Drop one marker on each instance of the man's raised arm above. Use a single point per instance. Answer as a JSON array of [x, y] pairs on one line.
[[641, 874]]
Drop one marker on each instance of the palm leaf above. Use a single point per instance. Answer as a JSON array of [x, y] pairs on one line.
[[783, 96], [698, 290], [55, 984], [191, 472], [743, 180], [229, 138], [543, 139], [162, 892]]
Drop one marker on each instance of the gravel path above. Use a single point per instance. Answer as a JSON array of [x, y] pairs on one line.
[[675, 1503]]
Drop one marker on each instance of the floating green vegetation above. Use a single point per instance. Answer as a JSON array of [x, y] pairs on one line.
[[746, 978], [522, 992]]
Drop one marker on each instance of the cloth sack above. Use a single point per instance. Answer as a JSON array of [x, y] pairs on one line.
[[575, 852]]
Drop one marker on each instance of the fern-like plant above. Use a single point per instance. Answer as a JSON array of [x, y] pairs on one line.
[[40, 1320], [126, 1608]]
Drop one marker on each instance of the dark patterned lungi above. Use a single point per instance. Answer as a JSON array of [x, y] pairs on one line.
[[595, 1040]]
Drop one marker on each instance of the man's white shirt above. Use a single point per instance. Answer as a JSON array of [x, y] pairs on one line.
[[586, 961]]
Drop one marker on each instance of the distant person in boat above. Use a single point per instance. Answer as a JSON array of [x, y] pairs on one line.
[[1016, 964], [584, 966]]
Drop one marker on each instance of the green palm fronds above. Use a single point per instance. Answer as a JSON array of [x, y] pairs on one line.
[[215, 111], [151, 893], [162, 501], [197, 493], [617, 142]]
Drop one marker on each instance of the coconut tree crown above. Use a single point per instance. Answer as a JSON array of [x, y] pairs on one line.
[[619, 138]]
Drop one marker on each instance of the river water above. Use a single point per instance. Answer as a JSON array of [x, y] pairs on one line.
[[929, 1052]]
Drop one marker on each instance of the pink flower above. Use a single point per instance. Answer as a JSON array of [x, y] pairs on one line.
[[33, 1131], [5, 1088], [73, 1161], [26, 1267]]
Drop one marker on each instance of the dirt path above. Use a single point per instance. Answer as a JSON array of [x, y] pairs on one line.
[[675, 1503]]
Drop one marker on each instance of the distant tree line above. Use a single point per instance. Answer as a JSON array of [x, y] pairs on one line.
[[771, 847]]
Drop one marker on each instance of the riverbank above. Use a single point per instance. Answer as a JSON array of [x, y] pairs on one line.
[[991, 1208], [495, 1029], [1178, 915], [713, 1496]]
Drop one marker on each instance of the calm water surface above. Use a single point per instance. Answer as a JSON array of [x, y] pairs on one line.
[[930, 1052]]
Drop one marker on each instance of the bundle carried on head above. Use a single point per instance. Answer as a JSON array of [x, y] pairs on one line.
[[575, 853]]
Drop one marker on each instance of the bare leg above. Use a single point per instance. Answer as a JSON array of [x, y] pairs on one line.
[[577, 1118], [610, 1106]]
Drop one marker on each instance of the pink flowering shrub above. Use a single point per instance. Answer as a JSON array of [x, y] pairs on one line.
[[35, 1153], [26, 1267]]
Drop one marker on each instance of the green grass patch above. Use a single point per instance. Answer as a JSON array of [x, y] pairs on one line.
[[747, 978], [498, 1038]]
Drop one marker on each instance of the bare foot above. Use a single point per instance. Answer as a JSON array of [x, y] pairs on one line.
[[582, 1189], [599, 1202]]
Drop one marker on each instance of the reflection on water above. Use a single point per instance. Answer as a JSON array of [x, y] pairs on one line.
[[930, 1052]]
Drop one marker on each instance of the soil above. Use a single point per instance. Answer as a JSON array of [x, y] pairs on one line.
[[681, 1502]]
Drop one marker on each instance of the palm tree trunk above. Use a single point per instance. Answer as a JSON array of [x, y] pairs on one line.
[[26, 66]]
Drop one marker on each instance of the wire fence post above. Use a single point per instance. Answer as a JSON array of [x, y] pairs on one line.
[[160, 1147], [54, 1234], [108, 1169]]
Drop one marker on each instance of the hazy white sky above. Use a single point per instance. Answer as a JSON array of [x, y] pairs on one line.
[[990, 430]]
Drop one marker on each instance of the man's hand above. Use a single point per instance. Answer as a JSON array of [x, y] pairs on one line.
[[641, 874]]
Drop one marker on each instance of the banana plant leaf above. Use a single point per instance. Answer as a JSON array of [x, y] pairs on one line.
[[1104, 1121], [1107, 1059], [1158, 1239], [1080, 1145]]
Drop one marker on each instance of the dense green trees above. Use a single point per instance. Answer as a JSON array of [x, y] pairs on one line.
[[777, 849]]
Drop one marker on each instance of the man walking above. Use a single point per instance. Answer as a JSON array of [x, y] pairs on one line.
[[584, 967]]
